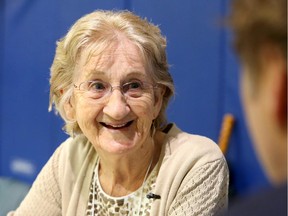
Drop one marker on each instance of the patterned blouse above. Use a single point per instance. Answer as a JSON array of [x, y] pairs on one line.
[[136, 203]]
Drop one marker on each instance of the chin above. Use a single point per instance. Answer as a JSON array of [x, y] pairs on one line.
[[117, 147]]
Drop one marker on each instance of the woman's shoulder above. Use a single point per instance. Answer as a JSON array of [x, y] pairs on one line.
[[187, 160], [77, 143], [74, 151], [180, 144]]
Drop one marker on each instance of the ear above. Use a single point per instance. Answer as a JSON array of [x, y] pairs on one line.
[[278, 85], [158, 100], [69, 109], [275, 67], [281, 100]]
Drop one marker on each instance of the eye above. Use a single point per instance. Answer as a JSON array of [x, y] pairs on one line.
[[131, 86], [133, 89], [97, 86]]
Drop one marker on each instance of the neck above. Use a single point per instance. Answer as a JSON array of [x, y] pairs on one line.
[[122, 175]]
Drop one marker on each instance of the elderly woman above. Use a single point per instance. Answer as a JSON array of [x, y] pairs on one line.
[[111, 85]]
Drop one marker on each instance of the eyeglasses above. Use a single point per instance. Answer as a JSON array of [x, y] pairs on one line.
[[99, 89]]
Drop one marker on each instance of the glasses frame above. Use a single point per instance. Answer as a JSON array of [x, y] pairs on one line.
[[145, 84]]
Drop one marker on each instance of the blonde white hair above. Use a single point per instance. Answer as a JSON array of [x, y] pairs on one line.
[[97, 31]]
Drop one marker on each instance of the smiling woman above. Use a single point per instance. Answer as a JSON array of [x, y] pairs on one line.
[[111, 84]]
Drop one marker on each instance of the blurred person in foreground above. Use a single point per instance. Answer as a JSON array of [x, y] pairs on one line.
[[260, 40], [111, 84]]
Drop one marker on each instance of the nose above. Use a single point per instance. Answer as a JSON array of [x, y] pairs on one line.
[[116, 106]]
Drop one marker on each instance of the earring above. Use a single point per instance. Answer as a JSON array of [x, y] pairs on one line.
[[153, 129], [73, 133]]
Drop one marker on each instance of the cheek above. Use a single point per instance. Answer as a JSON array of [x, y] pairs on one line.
[[246, 94], [144, 108], [144, 112], [86, 114], [251, 106]]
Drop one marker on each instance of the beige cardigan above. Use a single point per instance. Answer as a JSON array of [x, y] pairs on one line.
[[192, 179]]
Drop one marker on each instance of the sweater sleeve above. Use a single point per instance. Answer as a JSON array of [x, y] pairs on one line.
[[203, 191], [44, 197]]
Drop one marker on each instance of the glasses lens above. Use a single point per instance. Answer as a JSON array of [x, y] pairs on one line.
[[96, 89], [133, 89]]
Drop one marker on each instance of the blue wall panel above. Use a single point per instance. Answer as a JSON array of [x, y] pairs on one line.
[[69, 11], [2, 27], [25, 130]]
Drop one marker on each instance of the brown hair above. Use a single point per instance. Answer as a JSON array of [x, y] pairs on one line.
[[256, 23]]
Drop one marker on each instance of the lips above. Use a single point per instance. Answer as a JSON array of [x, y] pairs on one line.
[[116, 126]]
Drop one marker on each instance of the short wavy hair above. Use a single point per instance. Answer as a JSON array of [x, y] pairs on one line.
[[255, 24], [97, 31]]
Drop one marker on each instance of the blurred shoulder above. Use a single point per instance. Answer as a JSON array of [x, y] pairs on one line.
[[266, 201]]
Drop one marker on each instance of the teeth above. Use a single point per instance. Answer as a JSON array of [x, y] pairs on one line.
[[115, 126], [118, 126]]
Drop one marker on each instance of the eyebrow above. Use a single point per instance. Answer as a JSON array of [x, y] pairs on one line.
[[95, 72], [135, 73]]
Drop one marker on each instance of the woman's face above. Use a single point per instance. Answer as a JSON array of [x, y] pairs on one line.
[[115, 123]]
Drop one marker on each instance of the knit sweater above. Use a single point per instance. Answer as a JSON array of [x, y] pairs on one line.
[[192, 179]]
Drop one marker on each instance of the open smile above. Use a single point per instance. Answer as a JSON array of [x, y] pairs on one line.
[[116, 126]]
